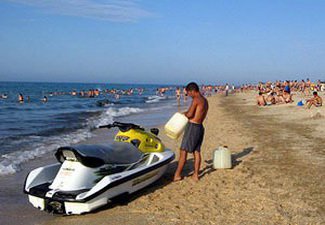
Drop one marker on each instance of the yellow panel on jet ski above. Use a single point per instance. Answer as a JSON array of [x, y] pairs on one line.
[[144, 141]]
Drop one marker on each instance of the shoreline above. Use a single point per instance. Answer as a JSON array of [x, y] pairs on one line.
[[11, 190], [270, 182]]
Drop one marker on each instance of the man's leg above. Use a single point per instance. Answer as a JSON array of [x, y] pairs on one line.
[[314, 103], [181, 163], [197, 164]]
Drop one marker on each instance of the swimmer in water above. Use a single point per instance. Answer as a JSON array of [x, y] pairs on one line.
[[44, 99], [20, 98], [4, 96], [178, 94]]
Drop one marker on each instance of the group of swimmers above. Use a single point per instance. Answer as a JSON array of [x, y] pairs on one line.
[[280, 92], [180, 92], [92, 93], [21, 98], [161, 91]]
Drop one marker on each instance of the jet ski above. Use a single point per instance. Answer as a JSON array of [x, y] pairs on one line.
[[87, 177]]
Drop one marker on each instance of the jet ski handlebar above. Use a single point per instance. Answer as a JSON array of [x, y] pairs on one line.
[[122, 126]]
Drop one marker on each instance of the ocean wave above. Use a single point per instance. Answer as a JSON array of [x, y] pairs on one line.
[[155, 99], [117, 112], [11, 162], [79, 106], [111, 113]]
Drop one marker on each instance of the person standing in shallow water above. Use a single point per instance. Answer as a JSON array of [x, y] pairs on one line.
[[194, 131]]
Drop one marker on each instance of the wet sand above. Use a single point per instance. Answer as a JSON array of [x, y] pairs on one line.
[[277, 178]]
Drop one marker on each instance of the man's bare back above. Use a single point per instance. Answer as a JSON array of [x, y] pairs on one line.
[[260, 100]]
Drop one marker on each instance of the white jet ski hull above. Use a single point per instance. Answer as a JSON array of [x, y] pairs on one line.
[[46, 194]]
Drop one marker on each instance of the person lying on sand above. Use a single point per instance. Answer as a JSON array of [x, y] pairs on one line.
[[270, 99], [194, 131], [316, 100], [260, 99], [279, 99]]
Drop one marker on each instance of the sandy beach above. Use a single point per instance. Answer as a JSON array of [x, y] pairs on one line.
[[70, 68], [277, 178]]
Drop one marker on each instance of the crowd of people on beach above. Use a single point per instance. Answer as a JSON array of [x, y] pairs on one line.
[[269, 93], [282, 92], [209, 90]]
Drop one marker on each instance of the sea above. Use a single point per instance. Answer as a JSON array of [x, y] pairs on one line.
[[31, 129]]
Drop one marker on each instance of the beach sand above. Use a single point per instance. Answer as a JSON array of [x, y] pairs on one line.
[[277, 178]]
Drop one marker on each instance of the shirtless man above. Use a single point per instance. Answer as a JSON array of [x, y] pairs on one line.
[[260, 99], [194, 131], [316, 101]]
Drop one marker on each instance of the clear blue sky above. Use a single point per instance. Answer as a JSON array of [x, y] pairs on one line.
[[165, 41]]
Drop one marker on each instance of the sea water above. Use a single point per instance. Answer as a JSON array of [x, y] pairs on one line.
[[31, 129]]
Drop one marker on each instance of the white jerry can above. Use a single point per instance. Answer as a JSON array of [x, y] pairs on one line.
[[176, 125], [222, 158]]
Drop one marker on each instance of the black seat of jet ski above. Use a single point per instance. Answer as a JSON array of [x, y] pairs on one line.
[[98, 155]]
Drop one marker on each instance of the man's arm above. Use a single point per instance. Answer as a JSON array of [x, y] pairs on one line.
[[191, 111]]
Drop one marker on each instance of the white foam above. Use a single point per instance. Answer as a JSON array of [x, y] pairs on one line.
[[155, 99], [116, 112], [109, 115]]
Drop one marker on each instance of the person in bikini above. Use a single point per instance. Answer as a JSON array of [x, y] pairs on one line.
[[194, 131], [178, 94], [184, 94]]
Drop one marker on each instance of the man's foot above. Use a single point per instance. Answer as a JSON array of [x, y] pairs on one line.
[[177, 178], [195, 177]]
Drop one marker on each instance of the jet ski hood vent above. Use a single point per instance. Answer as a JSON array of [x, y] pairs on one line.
[[98, 155]]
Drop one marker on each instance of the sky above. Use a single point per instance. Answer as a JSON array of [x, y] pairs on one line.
[[161, 42]]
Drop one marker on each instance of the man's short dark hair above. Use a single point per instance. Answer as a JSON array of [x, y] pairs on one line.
[[192, 87], [315, 93]]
